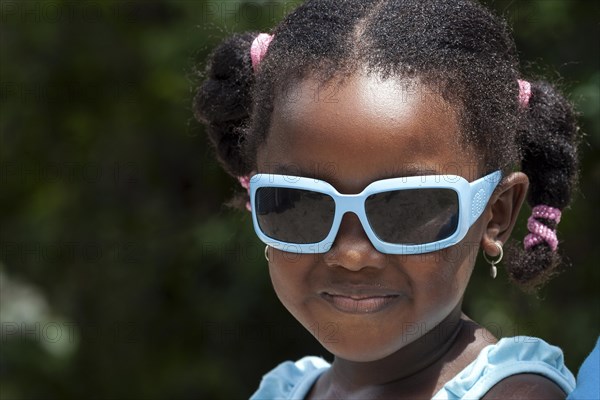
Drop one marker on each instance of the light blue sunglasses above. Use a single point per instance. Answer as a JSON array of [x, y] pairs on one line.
[[408, 215]]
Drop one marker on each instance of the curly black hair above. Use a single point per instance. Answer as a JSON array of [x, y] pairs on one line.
[[456, 47]]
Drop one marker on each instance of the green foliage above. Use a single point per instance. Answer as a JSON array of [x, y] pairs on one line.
[[122, 274]]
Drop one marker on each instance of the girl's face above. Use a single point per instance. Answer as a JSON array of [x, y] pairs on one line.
[[363, 305]]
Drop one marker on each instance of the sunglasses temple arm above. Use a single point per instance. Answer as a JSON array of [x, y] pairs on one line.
[[481, 191]]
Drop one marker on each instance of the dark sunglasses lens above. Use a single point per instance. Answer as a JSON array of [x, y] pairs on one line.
[[414, 216], [294, 215]]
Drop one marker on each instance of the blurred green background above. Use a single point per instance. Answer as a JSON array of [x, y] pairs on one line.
[[123, 276]]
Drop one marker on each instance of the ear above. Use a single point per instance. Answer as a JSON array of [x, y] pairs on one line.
[[504, 207]]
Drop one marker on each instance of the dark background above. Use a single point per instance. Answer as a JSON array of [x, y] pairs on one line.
[[122, 275]]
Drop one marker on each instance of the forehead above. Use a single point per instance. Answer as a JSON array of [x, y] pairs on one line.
[[351, 132]]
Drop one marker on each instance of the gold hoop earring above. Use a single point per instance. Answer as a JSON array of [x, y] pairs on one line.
[[493, 269], [267, 253]]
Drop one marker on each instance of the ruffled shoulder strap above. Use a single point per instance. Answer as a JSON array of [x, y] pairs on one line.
[[510, 356], [290, 380]]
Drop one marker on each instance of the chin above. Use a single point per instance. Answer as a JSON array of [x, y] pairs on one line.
[[361, 351]]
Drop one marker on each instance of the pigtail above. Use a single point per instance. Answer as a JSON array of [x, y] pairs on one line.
[[223, 102], [547, 138]]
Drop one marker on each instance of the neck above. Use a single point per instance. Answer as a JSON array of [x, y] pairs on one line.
[[409, 361]]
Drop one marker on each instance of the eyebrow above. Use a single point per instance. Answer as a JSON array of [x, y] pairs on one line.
[[328, 174], [406, 170], [324, 173]]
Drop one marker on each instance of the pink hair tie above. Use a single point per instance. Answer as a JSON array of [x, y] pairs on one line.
[[245, 182], [539, 232], [524, 93], [259, 48]]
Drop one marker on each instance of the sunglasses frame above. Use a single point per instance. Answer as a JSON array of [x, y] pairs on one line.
[[472, 200]]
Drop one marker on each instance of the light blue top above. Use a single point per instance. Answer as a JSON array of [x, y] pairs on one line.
[[588, 377], [510, 356]]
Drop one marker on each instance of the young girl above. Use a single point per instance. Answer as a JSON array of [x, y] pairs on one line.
[[379, 142]]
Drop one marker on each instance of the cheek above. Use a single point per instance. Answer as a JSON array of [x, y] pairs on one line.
[[442, 283], [290, 276], [282, 281], [458, 262]]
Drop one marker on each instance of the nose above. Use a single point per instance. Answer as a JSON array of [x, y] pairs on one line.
[[352, 248]]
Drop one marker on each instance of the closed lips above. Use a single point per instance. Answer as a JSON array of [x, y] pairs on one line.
[[359, 303]]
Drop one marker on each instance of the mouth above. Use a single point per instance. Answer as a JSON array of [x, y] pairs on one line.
[[359, 303]]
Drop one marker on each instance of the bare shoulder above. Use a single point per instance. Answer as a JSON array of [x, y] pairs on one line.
[[525, 386]]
